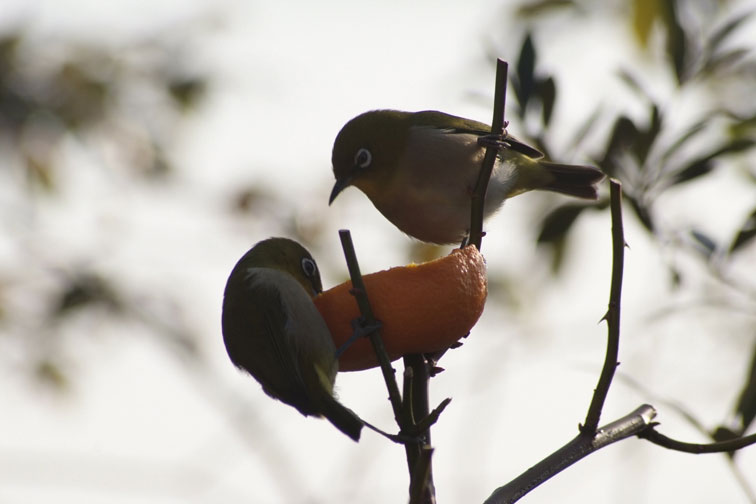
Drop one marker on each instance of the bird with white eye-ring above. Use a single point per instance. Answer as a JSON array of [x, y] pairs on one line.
[[422, 167]]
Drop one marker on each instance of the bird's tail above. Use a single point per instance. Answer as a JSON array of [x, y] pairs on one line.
[[573, 180], [342, 417]]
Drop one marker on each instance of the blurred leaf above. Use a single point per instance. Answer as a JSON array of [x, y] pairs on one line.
[[683, 139], [703, 243], [628, 78], [645, 12], [624, 135], [80, 97], [50, 373], [39, 172], [693, 170], [742, 126], [705, 164], [723, 433], [643, 213], [582, 132], [677, 44], [558, 222], [542, 7], [187, 92], [525, 77], [85, 289], [646, 139], [746, 407], [717, 64], [723, 32], [547, 94], [747, 232]]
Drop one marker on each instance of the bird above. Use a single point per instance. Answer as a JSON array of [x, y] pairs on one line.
[[272, 330], [419, 169]]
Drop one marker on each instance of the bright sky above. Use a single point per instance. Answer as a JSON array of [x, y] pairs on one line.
[[140, 427]]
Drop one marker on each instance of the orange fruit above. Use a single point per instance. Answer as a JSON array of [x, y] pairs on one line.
[[423, 307]]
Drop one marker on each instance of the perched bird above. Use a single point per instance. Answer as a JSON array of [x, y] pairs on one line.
[[419, 169], [272, 329]]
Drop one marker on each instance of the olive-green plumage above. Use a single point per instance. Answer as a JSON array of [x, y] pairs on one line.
[[419, 170], [272, 329]]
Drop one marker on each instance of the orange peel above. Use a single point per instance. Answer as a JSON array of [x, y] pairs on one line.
[[423, 307]]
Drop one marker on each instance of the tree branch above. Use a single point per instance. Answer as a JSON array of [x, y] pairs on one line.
[[612, 315], [360, 294], [719, 447], [581, 446], [481, 186], [403, 411]]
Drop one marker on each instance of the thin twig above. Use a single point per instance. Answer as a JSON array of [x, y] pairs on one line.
[[402, 416], [358, 289], [612, 315], [581, 446], [481, 186], [719, 447]]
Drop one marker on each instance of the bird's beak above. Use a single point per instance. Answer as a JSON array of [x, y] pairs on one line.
[[339, 186]]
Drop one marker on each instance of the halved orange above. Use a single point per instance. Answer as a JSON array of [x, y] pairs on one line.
[[423, 307]]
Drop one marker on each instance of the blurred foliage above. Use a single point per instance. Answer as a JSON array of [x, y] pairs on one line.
[[81, 89], [649, 155], [121, 98]]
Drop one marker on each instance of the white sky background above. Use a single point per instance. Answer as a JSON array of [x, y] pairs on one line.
[[139, 427]]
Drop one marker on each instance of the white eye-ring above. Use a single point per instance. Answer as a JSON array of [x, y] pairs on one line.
[[363, 158], [309, 267]]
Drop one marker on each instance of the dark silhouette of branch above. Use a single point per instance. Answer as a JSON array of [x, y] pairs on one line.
[[591, 438], [719, 447], [612, 315], [498, 124], [404, 411], [416, 408], [421, 477], [369, 320], [581, 446]]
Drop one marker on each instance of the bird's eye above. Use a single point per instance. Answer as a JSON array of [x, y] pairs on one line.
[[309, 267], [363, 158]]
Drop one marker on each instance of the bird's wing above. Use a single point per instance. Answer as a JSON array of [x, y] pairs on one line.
[[454, 124], [263, 346]]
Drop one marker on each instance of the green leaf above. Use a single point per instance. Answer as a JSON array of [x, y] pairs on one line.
[[632, 82], [721, 34], [643, 213], [706, 163], [684, 138], [693, 170], [546, 90], [582, 132], [677, 44], [542, 7], [624, 135], [558, 222], [746, 234], [647, 137], [719, 63], [645, 13], [525, 72]]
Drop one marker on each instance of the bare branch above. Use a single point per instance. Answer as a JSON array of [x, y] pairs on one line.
[[612, 315], [497, 128], [719, 447], [581, 446]]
